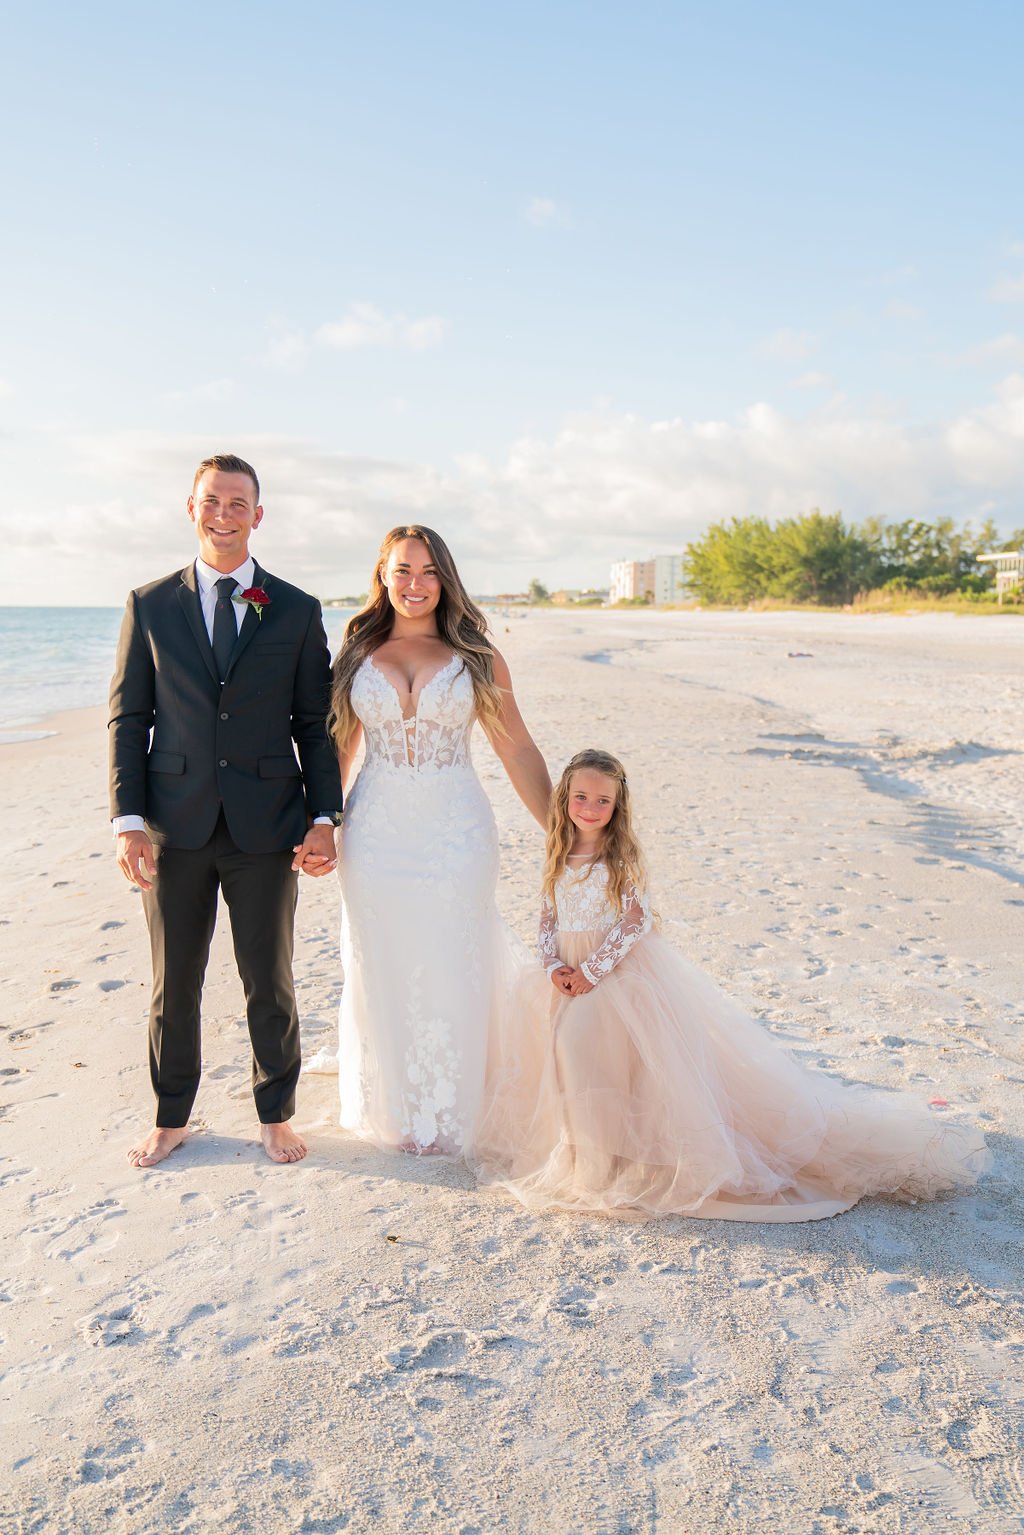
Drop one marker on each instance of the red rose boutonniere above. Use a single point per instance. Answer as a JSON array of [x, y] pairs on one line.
[[256, 597]]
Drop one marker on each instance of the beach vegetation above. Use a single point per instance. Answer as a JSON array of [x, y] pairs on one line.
[[819, 559]]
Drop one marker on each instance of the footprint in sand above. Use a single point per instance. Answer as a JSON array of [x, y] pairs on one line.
[[112, 985], [72, 1239], [102, 1462], [107, 1328], [575, 1306], [436, 1351], [108, 927], [15, 1175]]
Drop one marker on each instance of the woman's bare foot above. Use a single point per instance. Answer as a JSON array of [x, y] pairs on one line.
[[411, 1149], [282, 1144], [159, 1143]]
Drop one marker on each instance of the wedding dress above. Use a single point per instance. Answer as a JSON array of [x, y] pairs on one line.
[[426, 959], [656, 1094]]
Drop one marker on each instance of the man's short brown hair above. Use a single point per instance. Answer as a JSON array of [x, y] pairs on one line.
[[227, 463]]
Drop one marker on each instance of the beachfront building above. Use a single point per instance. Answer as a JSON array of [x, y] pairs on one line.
[[1009, 570], [631, 579], [669, 579], [659, 580]]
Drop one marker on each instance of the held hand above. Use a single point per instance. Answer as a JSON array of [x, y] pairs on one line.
[[578, 985], [560, 977], [134, 853], [315, 854]]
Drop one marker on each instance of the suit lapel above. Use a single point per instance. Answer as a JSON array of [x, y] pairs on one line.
[[191, 606], [252, 620]]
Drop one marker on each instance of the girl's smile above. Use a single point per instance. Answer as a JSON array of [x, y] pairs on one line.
[[591, 801]]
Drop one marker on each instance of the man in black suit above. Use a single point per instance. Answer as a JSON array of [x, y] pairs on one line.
[[220, 669]]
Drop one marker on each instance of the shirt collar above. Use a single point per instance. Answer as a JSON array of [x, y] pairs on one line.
[[207, 577]]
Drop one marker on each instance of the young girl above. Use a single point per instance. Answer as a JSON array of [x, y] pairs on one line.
[[626, 1082]]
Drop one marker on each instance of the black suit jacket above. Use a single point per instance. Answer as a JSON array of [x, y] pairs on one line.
[[182, 745]]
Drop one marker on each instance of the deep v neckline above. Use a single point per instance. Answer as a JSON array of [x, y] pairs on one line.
[[423, 685]]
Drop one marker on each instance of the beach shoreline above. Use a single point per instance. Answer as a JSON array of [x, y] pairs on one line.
[[369, 1342]]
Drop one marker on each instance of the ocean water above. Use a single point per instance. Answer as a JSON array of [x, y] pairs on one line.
[[52, 659]]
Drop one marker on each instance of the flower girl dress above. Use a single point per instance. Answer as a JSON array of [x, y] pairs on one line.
[[655, 1094]]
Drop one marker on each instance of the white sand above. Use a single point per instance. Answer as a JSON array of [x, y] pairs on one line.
[[225, 1345]]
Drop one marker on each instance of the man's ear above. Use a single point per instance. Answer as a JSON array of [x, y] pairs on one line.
[[258, 517], [191, 509]]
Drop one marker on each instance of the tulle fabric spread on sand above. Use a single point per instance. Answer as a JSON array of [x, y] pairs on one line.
[[656, 1095]]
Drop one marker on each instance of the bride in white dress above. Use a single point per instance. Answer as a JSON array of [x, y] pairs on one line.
[[424, 952]]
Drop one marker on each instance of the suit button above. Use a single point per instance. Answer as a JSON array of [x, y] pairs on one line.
[[223, 762], [225, 716]]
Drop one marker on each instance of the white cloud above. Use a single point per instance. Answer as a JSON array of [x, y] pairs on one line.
[[1008, 290], [366, 326], [986, 445], [1007, 348], [788, 345], [812, 380], [544, 212]]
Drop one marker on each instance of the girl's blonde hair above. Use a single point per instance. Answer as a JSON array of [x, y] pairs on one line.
[[460, 624], [620, 851]]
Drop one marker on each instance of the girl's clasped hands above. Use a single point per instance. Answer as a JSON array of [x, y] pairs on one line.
[[572, 982]]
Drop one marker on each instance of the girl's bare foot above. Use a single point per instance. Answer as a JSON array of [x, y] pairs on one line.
[[159, 1143], [282, 1144]]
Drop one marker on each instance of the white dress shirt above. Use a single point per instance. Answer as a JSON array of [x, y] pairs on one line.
[[206, 581]]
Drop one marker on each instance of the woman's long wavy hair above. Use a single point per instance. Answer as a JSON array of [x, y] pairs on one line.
[[460, 624], [619, 851]]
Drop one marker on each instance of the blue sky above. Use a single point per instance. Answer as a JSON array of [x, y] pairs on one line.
[[565, 281]]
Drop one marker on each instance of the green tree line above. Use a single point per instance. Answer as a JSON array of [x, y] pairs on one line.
[[820, 558]]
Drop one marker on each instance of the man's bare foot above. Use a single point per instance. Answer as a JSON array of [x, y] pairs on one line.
[[282, 1144], [159, 1143]]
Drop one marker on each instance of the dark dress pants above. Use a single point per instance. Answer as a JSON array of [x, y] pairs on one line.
[[261, 892]]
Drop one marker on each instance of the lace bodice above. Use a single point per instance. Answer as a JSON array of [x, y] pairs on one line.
[[436, 736], [582, 905]]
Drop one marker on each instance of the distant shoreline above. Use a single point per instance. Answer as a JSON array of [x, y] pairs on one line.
[[37, 728]]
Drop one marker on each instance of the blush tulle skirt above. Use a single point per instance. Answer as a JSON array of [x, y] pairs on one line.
[[656, 1095]]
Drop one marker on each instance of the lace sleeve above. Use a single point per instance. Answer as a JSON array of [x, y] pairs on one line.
[[634, 922], [547, 943]]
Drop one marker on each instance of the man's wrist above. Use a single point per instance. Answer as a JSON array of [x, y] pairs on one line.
[[122, 824], [328, 818]]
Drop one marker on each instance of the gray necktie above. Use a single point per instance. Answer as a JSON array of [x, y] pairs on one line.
[[225, 625]]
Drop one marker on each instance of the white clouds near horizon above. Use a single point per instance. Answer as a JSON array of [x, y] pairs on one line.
[[604, 486]]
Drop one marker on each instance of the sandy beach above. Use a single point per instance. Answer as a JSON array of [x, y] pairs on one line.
[[833, 809]]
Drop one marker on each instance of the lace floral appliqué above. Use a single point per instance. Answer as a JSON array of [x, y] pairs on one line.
[[582, 905]]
